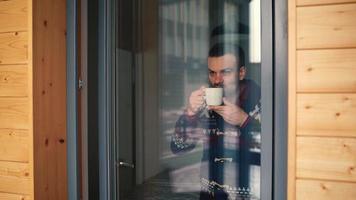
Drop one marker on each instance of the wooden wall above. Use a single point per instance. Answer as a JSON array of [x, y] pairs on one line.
[[16, 135], [32, 99], [322, 99]]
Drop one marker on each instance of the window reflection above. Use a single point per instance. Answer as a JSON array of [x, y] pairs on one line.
[[210, 152]]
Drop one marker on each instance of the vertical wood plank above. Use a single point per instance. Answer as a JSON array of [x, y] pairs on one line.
[[49, 99], [291, 99], [30, 95]]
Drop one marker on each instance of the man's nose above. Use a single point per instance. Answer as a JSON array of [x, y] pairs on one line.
[[218, 79]]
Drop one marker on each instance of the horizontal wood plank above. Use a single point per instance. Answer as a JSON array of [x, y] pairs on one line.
[[14, 145], [13, 48], [332, 26], [326, 158], [8, 196], [326, 114], [325, 190], [322, 2], [326, 70], [15, 177], [13, 15], [14, 113], [13, 80]]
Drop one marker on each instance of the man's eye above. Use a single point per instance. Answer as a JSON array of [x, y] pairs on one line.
[[211, 73], [226, 72]]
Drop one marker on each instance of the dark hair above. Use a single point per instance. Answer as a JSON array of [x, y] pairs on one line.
[[221, 49], [230, 28]]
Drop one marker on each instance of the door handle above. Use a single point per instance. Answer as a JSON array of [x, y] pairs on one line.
[[126, 164]]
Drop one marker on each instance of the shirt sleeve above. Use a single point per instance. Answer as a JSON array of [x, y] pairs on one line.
[[183, 139], [253, 121]]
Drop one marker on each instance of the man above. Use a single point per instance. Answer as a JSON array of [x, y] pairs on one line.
[[224, 129]]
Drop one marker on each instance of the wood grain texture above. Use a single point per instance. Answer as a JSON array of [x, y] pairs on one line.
[[13, 80], [13, 15], [322, 2], [8, 196], [14, 145], [325, 190], [13, 48], [292, 90], [326, 70], [15, 177], [332, 26], [30, 95], [14, 113], [326, 114], [49, 99], [326, 158]]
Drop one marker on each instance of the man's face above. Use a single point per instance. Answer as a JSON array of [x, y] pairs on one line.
[[223, 73], [222, 70]]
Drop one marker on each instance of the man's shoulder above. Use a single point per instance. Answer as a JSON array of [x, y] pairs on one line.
[[251, 88], [251, 84]]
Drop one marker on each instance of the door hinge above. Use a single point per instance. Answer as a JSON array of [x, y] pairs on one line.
[[80, 84]]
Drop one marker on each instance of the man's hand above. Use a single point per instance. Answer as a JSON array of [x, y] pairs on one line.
[[231, 113], [196, 101]]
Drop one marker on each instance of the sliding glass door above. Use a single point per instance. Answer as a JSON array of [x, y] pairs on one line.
[[189, 99]]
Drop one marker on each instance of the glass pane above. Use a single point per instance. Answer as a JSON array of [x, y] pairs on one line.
[[201, 126], [207, 45]]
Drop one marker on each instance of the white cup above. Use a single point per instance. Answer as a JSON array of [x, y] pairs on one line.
[[213, 96]]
